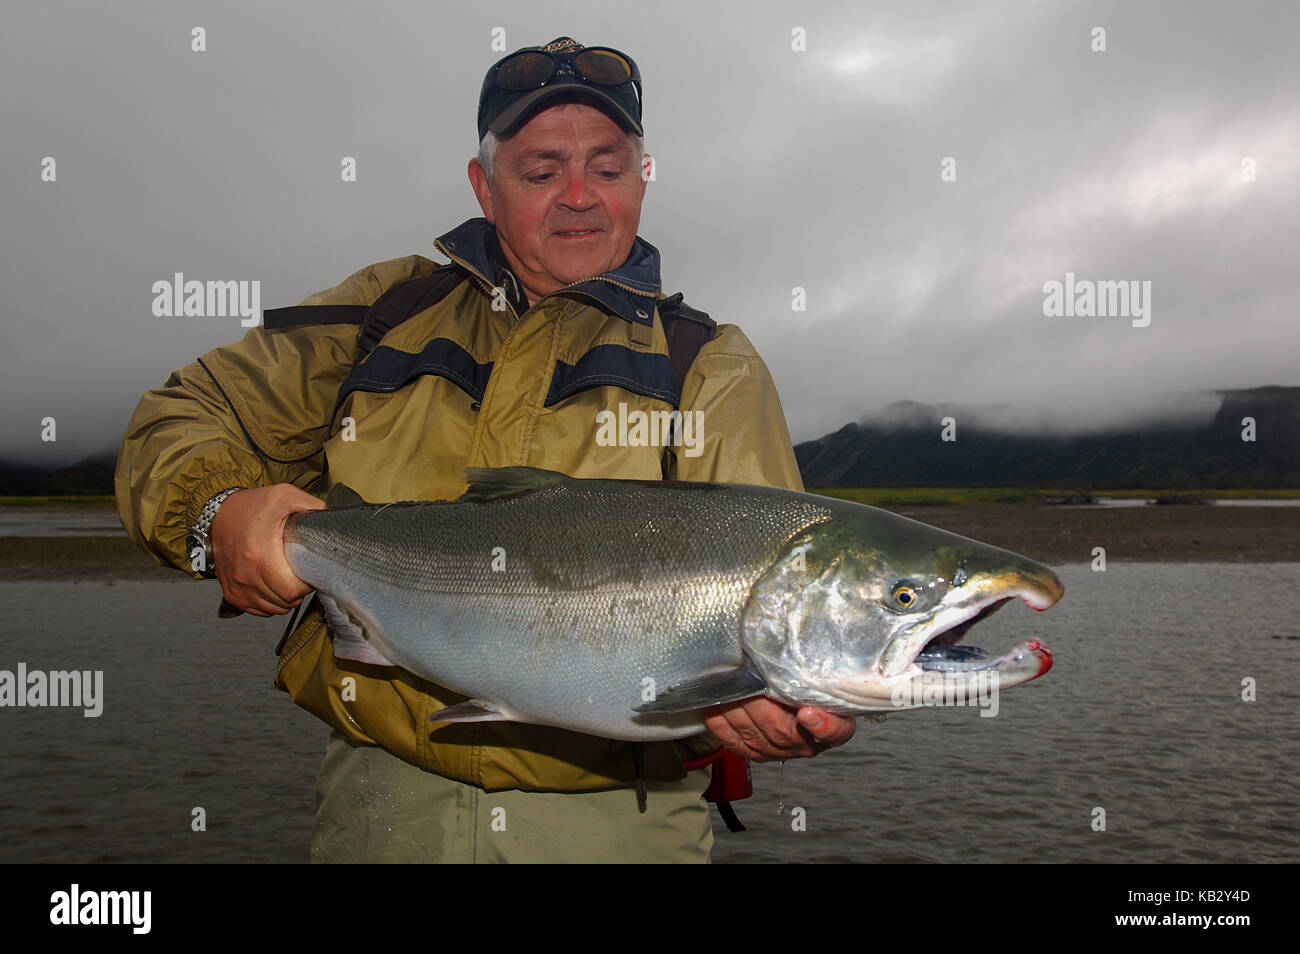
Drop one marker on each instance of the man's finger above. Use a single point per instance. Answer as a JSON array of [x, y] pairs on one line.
[[253, 594], [761, 730], [746, 734], [825, 727]]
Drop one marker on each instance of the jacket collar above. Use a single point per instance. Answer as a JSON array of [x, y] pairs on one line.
[[623, 290]]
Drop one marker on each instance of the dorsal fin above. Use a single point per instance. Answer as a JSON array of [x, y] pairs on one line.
[[494, 483], [341, 496]]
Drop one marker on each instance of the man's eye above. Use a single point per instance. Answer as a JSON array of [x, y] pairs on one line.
[[539, 178]]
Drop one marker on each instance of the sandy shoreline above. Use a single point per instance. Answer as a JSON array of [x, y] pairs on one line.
[[1051, 534], [1180, 534]]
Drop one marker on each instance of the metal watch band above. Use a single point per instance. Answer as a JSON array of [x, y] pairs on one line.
[[209, 512], [197, 541]]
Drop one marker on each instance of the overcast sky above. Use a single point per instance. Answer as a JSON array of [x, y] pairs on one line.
[[817, 168]]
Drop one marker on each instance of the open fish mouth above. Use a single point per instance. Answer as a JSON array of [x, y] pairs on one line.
[[941, 649], [1031, 655], [930, 655], [942, 653]]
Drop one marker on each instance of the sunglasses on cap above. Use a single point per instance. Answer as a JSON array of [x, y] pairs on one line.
[[533, 69], [520, 83]]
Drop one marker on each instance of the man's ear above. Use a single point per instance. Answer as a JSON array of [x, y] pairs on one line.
[[482, 188]]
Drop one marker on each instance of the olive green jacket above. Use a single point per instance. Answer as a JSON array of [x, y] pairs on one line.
[[461, 384]]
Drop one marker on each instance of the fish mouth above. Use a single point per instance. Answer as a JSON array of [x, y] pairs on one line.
[[938, 649], [935, 652], [943, 654], [947, 660], [1040, 588]]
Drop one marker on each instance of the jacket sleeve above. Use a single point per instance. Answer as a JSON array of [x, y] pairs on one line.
[[250, 414], [741, 430]]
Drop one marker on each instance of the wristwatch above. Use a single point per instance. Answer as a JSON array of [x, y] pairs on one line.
[[197, 542]]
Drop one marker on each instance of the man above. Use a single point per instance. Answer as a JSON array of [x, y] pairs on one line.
[[550, 312]]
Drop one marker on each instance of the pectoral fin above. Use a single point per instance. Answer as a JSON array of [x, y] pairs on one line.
[[349, 641], [475, 710], [711, 690]]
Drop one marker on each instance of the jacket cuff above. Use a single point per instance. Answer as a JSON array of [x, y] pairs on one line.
[[192, 504], [208, 487]]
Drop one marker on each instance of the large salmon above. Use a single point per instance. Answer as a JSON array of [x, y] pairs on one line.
[[620, 608]]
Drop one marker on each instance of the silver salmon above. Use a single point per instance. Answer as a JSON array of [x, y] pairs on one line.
[[621, 608]]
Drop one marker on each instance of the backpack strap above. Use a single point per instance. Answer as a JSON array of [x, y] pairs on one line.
[[277, 319], [402, 301], [687, 330], [406, 301]]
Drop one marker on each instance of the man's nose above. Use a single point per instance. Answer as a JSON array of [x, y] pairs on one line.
[[577, 190]]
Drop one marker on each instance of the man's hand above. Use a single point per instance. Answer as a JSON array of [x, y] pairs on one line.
[[763, 730], [248, 549]]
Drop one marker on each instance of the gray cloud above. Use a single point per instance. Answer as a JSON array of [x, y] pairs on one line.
[[776, 169]]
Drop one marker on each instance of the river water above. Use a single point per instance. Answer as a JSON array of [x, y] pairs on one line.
[[1141, 726]]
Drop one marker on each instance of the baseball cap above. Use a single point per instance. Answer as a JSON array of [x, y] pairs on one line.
[[519, 83]]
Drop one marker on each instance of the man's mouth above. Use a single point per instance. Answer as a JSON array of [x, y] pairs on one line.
[[577, 233]]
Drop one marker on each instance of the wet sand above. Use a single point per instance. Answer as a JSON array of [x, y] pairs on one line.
[[1054, 535], [1177, 534], [78, 558]]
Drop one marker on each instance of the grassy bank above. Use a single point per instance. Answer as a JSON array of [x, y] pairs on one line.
[[78, 558]]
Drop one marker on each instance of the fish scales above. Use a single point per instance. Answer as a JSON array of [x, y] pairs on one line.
[[609, 583]]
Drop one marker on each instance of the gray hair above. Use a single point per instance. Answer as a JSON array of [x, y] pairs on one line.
[[487, 152]]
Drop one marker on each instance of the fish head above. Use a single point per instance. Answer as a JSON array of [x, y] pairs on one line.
[[859, 610]]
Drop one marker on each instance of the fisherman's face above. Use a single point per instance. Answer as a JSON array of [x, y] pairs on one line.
[[565, 197]]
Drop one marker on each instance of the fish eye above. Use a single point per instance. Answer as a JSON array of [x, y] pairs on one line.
[[905, 596]]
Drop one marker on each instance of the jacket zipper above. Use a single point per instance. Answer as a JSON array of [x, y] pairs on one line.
[[489, 288], [616, 284]]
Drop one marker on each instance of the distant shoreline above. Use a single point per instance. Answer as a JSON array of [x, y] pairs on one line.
[[1049, 534], [918, 496], [1127, 534]]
